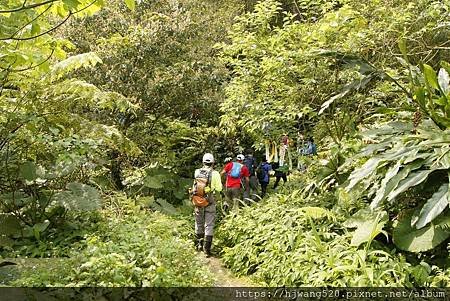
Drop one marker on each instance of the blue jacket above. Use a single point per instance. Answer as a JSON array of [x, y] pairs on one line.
[[310, 149]]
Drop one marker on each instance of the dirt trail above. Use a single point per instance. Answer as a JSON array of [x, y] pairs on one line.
[[224, 277]]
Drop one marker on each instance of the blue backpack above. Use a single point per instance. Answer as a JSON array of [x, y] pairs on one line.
[[263, 172], [236, 170]]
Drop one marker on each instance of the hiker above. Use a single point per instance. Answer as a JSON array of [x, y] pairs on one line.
[[236, 171], [250, 162], [207, 182], [263, 176], [310, 148], [301, 145], [279, 174]]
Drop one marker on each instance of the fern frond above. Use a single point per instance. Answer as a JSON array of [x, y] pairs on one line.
[[84, 60]]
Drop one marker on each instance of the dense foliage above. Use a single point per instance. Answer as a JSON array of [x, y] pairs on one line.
[[129, 248], [372, 82], [311, 246], [106, 108]]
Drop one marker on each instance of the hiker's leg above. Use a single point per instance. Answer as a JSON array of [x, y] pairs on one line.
[[208, 244], [210, 216], [236, 194], [264, 188], [284, 177], [277, 180], [199, 227], [199, 220], [246, 193], [228, 200], [254, 185]]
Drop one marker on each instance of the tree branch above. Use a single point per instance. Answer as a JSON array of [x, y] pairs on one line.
[[51, 29], [24, 6], [39, 35], [34, 19], [31, 67]]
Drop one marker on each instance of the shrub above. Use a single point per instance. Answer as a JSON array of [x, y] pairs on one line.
[[139, 248], [285, 242]]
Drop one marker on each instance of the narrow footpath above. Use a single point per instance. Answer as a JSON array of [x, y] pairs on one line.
[[224, 277]]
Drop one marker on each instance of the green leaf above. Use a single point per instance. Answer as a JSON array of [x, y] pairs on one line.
[[381, 192], [35, 29], [430, 76], [71, 4], [327, 103], [411, 239], [153, 182], [368, 230], [402, 47], [391, 185], [359, 218], [146, 201], [131, 4], [317, 212], [10, 225], [419, 96], [79, 197], [434, 206], [28, 171], [413, 179], [41, 227], [164, 207], [362, 172]]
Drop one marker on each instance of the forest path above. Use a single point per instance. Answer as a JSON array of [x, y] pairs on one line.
[[224, 277]]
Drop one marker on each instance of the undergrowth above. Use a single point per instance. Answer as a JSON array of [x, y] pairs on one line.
[[131, 249], [288, 240]]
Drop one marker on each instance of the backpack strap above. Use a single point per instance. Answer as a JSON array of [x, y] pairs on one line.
[[209, 179]]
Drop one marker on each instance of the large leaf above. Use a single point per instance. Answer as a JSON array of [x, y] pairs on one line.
[[28, 171], [327, 103], [164, 207], [430, 76], [362, 172], [359, 218], [369, 229], [79, 197], [376, 147], [414, 178], [83, 60], [434, 206], [10, 225], [154, 182], [419, 240], [382, 190]]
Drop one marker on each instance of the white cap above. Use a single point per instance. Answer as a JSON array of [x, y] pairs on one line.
[[240, 157], [208, 158]]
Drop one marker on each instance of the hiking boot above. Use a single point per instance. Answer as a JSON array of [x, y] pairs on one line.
[[208, 243], [199, 242]]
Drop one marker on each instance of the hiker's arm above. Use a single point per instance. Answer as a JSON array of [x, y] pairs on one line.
[[216, 182], [247, 183]]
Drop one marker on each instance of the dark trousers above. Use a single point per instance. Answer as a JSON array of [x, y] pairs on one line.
[[264, 188], [279, 176]]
